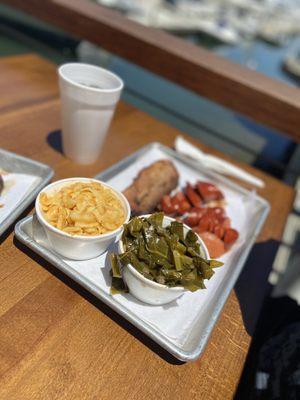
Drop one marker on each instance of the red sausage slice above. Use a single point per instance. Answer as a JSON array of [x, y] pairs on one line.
[[184, 205], [231, 236], [209, 192], [200, 211], [166, 205], [205, 224], [219, 231], [225, 222], [194, 216], [218, 212], [192, 219], [175, 204], [193, 197]]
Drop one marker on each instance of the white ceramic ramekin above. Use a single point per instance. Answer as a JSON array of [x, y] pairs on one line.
[[79, 247], [148, 291]]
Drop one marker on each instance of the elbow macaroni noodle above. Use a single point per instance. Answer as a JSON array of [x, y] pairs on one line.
[[87, 209]]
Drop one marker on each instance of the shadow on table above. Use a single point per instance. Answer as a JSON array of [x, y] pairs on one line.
[[11, 228], [100, 305], [252, 286], [54, 139]]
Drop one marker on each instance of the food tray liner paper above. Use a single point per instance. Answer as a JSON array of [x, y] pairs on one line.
[[16, 187]]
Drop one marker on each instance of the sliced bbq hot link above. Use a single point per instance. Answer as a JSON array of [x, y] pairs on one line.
[[199, 206], [212, 223], [209, 192], [231, 236], [193, 197], [192, 219], [166, 205], [219, 231], [183, 204]]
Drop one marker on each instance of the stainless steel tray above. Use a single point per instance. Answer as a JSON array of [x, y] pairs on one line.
[[197, 337], [12, 162]]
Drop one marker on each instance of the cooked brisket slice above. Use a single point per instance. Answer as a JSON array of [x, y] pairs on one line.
[[151, 184]]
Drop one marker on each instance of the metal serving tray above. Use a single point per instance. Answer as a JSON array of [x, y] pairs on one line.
[[193, 345], [12, 162]]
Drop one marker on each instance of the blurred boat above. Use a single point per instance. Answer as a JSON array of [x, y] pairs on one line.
[[291, 64], [279, 27], [179, 23], [183, 17], [229, 21]]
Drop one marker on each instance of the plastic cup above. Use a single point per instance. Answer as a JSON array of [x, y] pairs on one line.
[[89, 96]]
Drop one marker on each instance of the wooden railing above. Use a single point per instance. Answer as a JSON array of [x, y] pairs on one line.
[[261, 98]]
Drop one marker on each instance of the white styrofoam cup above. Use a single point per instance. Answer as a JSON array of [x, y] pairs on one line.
[[89, 96]]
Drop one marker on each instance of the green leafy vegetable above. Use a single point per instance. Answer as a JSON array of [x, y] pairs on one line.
[[215, 263], [117, 284], [116, 273], [163, 255]]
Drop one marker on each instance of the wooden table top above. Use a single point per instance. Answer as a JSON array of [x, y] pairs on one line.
[[56, 340]]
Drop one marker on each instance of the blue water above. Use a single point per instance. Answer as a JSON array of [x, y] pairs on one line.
[[210, 122], [267, 57], [268, 60]]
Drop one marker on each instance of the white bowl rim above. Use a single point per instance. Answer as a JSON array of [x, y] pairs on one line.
[[141, 277], [81, 237]]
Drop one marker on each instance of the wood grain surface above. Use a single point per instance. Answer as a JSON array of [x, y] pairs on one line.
[[21, 87], [263, 99], [59, 342]]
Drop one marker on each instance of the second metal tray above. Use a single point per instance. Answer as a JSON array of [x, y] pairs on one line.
[[12, 162]]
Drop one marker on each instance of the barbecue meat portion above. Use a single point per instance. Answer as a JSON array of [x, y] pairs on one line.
[[150, 186], [1, 184]]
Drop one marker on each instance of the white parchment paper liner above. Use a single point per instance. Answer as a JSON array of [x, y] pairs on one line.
[[16, 186]]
